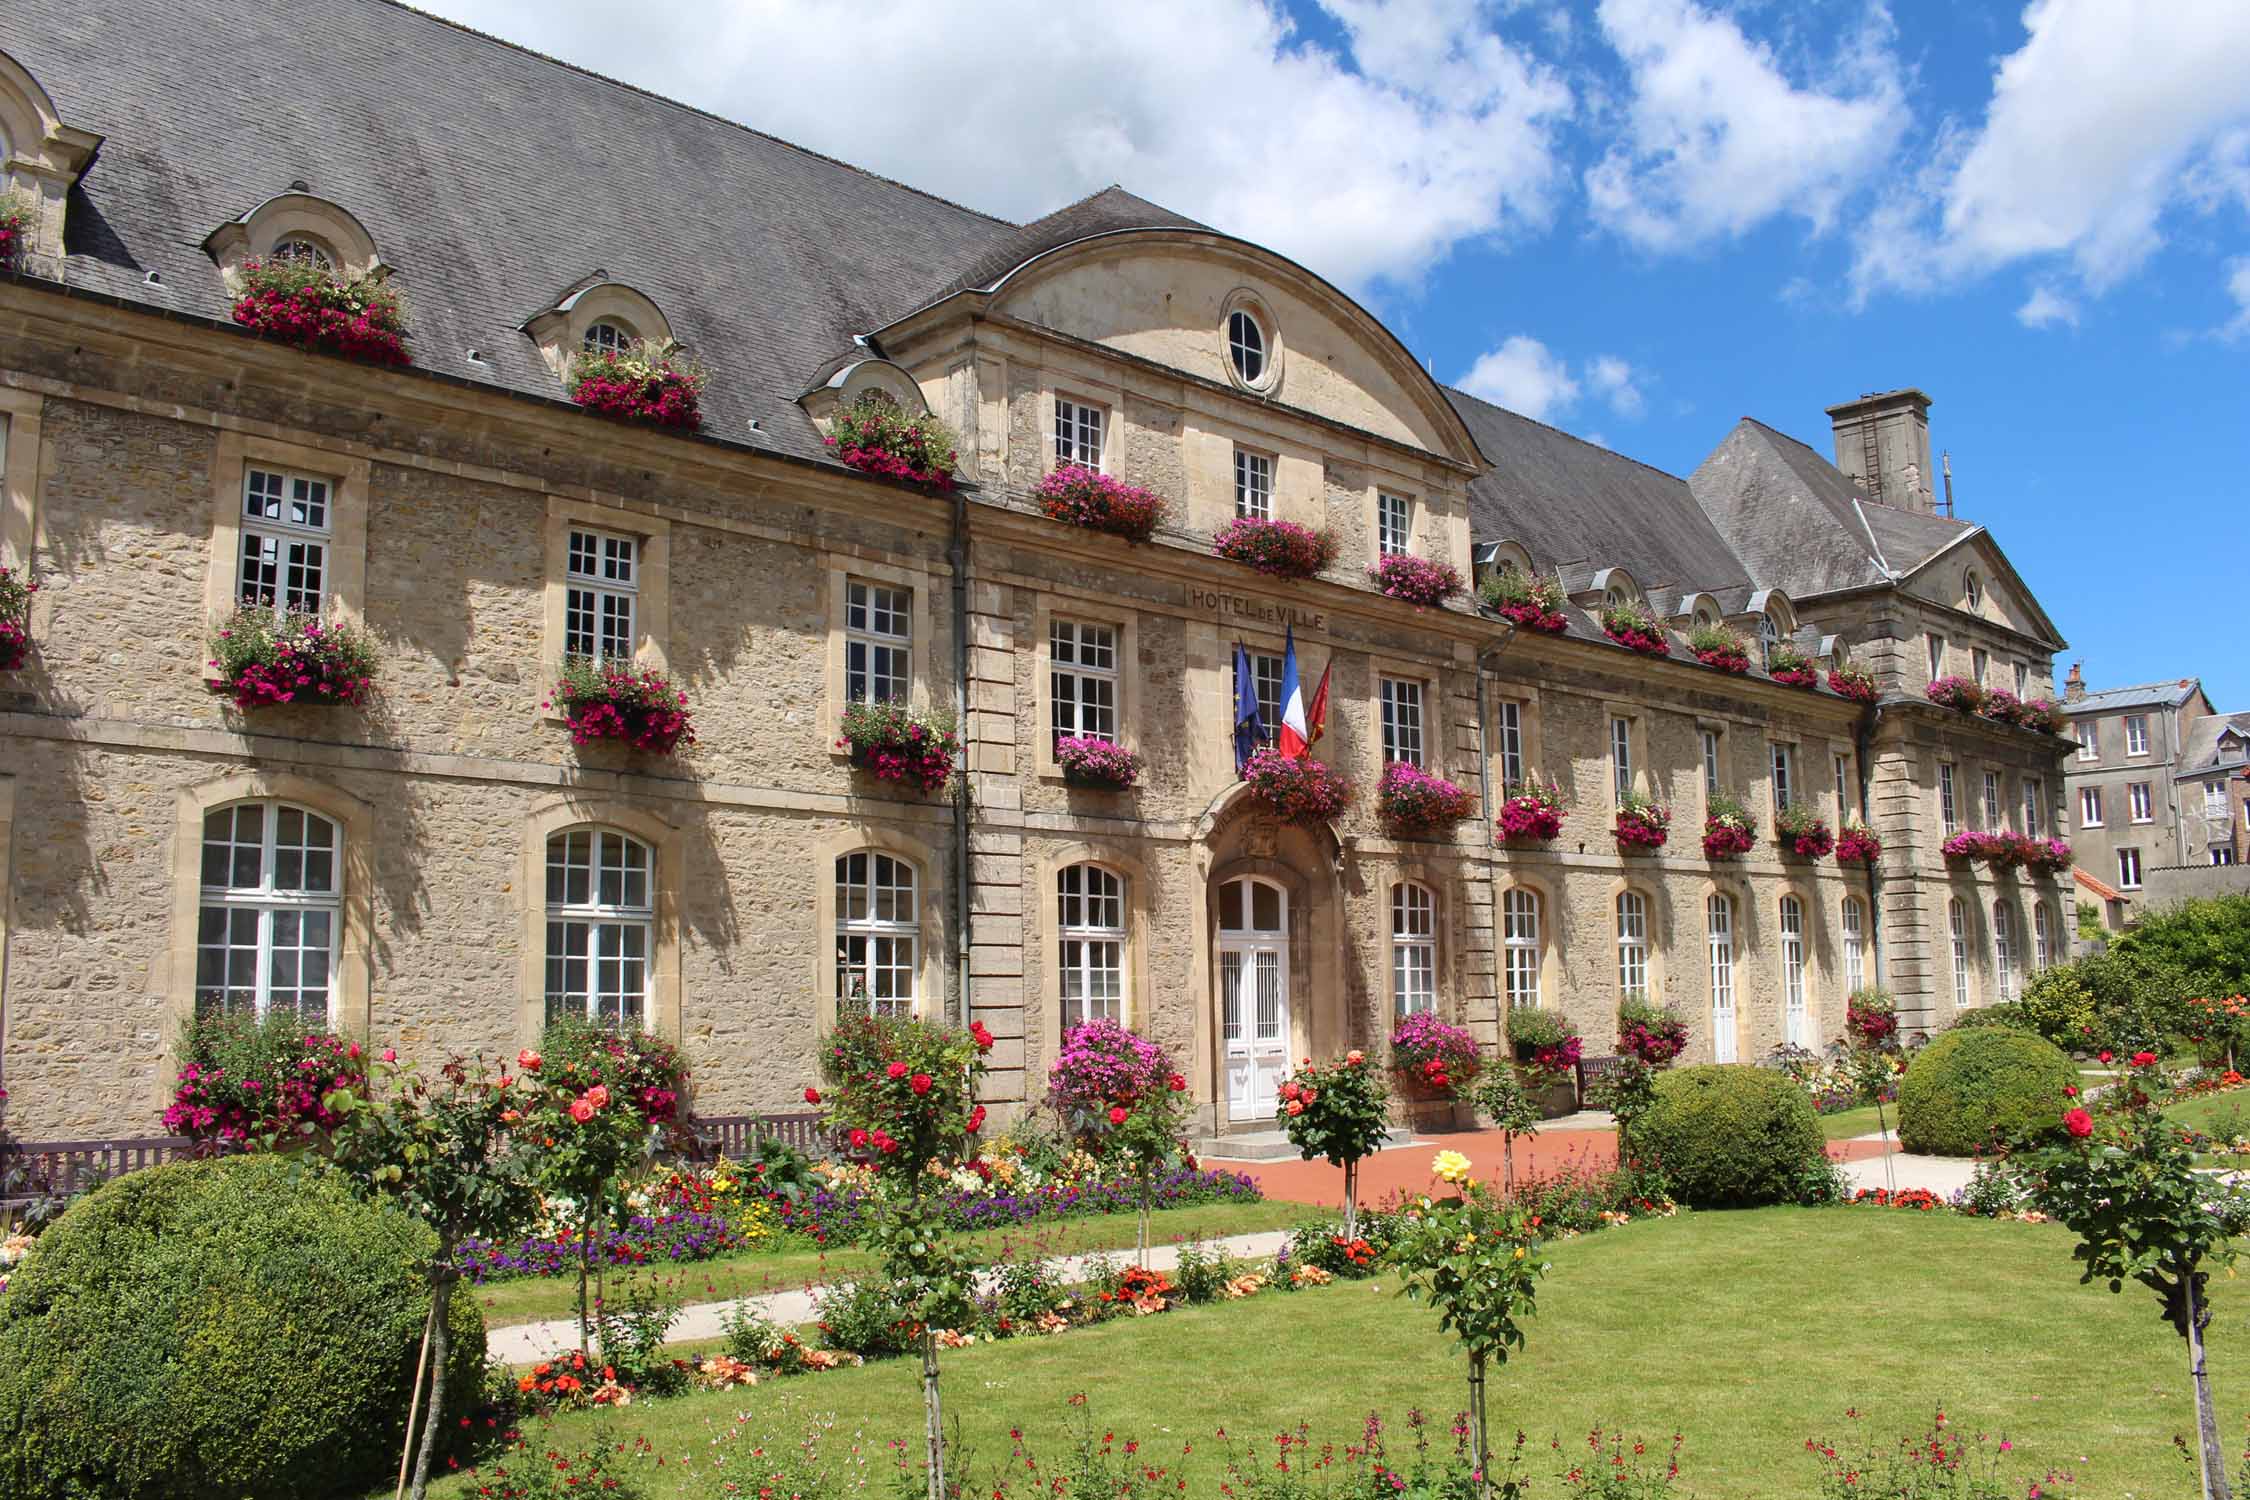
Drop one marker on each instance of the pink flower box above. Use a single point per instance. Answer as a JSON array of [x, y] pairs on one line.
[[1079, 496], [1416, 580], [1280, 548], [1410, 801]]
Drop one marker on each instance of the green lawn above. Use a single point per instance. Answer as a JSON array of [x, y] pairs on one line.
[[1748, 1332], [1848, 1123], [532, 1299], [2221, 1115]]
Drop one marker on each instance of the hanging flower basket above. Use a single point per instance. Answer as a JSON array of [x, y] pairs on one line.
[[1079, 496], [1653, 1034], [651, 383], [16, 219], [1642, 824], [262, 657], [15, 619], [1532, 810], [1527, 603], [1801, 833], [610, 701], [894, 743], [1718, 647], [1790, 667], [1544, 1043], [1955, 693], [1730, 830], [1871, 1015], [1857, 845], [2046, 856], [1434, 1057], [1417, 580], [1412, 803], [1101, 764], [1281, 548], [1300, 789], [1855, 683], [2042, 715], [875, 436], [302, 302], [1635, 629]]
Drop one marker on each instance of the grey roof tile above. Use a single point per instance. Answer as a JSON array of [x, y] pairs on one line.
[[2145, 695]]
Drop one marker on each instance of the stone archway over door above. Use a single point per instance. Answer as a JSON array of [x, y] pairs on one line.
[[1253, 982]]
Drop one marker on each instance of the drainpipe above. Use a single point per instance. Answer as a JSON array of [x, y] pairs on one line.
[[1492, 863], [957, 554], [1863, 738]]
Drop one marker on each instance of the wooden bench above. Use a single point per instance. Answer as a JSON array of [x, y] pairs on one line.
[[1592, 1070], [33, 1170]]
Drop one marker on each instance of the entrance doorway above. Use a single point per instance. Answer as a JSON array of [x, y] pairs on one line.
[[1254, 994]]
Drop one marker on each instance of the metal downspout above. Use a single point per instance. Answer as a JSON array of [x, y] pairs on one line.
[[957, 554]]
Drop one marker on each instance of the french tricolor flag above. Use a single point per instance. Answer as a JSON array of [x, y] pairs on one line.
[[1292, 738]]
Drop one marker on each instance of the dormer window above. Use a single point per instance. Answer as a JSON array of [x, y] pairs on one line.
[[305, 252], [1617, 598], [606, 337], [1769, 635], [298, 227], [1246, 346], [596, 316]]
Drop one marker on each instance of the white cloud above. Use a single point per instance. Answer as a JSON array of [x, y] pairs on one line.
[[1523, 376], [1717, 139], [2104, 118], [1615, 382], [2046, 307], [1434, 131], [2238, 287]]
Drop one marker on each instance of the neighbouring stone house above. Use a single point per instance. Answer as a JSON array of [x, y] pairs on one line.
[[442, 869]]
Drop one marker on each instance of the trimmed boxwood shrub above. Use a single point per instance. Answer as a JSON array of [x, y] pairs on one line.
[[1726, 1135], [1988, 1086], [222, 1327]]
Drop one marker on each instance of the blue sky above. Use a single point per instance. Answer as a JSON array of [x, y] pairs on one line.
[[1642, 219]]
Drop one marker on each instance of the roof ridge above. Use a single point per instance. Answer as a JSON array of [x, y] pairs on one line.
[[1561, 432], [685, 107]]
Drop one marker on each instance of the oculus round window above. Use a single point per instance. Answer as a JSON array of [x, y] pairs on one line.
[[1246, 346], [1974, 587]]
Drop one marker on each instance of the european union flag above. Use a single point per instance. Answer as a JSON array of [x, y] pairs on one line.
[[1248, 731]]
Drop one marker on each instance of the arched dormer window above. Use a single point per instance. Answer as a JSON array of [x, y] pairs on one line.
[[40, 156], [596, 314], [296, 225], [304, 249], [1496, 558], [607, 336], [863, 380]]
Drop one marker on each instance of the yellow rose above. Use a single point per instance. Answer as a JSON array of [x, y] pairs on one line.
[[1450, 1166]]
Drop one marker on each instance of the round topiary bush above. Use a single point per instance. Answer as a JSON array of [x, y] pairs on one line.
[[1725, 1135], [1984, 1087], [223, 1327]]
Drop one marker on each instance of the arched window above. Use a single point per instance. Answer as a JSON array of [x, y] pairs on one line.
[[1769, 636], [266, 934], [1090, 947], [1855, 944], [878, 932], [304, 251], [1793, 971], [601, 920], [1519, 916], [1957, 921], [1246, 345], [1632, 944], [2042, 936], [1413, 949], [1718, 913], [606, 337], [1617, 597], [2004, 949]]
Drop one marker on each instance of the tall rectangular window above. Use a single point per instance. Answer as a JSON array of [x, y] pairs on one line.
[[1784, 774], [1510, 727], [1090, 943], [1265, 680], [2034, 812], [2004, 950], [1980, 660], [287, 524], [2129, 869], [1082, 679], [1253, 485], [1992, 817], [1402, 721], [2136, 734], [1078, 434], [1949, 806], [2089, 807], [2042, 936], [1793, 1014], [1519, 913], [1937, 656], [878, 642], [1718, 912], [1632, 944], [1957, 922], [1710, 761], [2141, 804], [1394, 524], [2089, 739], [1621, 757], [1413, 949], [601, 586], [2023, 679], [1844, 799]]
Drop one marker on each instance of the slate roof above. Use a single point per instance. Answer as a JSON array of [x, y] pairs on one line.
[[2200, 752], [2146, 695], [1109, 211]]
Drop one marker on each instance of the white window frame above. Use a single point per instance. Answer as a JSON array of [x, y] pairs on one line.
[[1718, 917], [1520, 940], [1949, 801], [1843, 787], [601, 594], [1980, 662], [1265, 681], [1993, 818], [1794, 1008], [618, 934], [1084, 678], [1855, 944], [1394, 523], [2129, 869], [2023, 679], [883, 952], [1090, 938], [1413, 949], [2136, 735], [2214, 799], [2090, 809], [1710, 761], [2042, 936], [2140, 802], [1510, 727], [1253, 485], [1621, 756], [1784, 774], [1254, 350], [1937, 655], [1081, 433], [2004, 950], [1631, 909], [2090, 747], [1957, 922], [2034, 817], [878, 641], [1404, 721], [606, 336], [291, 526], [269, 905]]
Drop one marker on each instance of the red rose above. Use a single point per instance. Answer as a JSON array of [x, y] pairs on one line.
[[2069, 1092], [897, 1070], [1296, 1106], [859, 1139], [528, 1060], [2144, 1059], [812, 1096], [2106, 1056], [1178, 1083], [2078, 1122], [1117, 1114], [920, 1083], [976, 1119], [982, 1036]]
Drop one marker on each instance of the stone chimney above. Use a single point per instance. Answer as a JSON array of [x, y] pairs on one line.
[[2074, 686], [1883, 441]]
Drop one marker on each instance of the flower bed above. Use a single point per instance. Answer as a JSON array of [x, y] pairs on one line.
[[644, 382], [1790, 667], [1857, 845], [676, 1237], [242, 1080], [894, 743], [1530, 603], [1079, 496], [875, 436], [1532, 810], [1433, 1055], [1635, 629], [1416, 580], [15, 618], [1716, 646], [1280, 548], [1855, 683], [1957, 693], [1413, 803], [1298, 788], [2046, 856], [265, 656], [1089, 762], [1802, 833], [1730, 830], [302, 302], [610, 701], [1641, 823]]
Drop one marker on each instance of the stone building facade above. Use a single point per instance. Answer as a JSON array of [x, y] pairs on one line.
[[443, 868], [2133, 806]]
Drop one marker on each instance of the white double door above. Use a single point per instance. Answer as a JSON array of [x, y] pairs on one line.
[[1253, 977]]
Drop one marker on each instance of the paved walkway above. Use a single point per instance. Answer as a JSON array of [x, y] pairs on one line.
[[528, 1343]]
